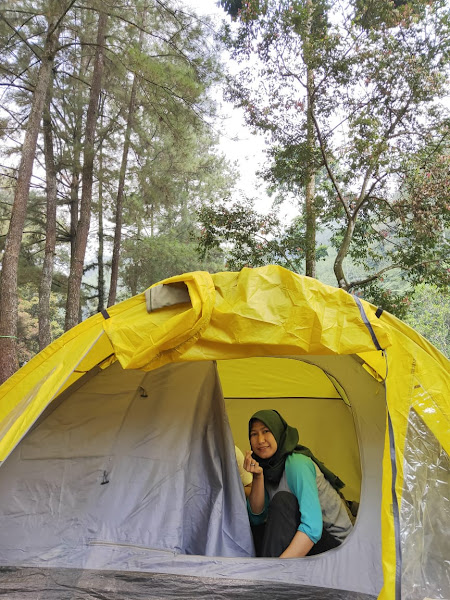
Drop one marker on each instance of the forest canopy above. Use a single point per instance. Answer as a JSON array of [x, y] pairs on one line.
[[112, 177]]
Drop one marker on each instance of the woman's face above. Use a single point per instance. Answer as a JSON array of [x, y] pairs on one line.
[[262, 440]]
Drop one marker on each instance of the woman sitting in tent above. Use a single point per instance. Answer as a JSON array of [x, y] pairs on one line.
[[294, 507]]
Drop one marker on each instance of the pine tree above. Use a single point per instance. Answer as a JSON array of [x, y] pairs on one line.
[[55, 12]]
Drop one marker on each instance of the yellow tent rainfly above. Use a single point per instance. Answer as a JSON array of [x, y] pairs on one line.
[[117, 441]]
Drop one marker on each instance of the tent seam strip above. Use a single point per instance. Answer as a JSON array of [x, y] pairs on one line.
[[395, 510], [367, 323]]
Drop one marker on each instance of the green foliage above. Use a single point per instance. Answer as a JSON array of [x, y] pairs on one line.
[[376, 14], [396, 303], [374, 74], [31, 253], [173, 162], [27, 326], [232, 7], [289, 165], [246, 10], [429, 314], [423, 221], [151, 259], [250, 239], [409, 232]]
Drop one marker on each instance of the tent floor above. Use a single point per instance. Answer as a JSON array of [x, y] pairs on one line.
[[21, 583]]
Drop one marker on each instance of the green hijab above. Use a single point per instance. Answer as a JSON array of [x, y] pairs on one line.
[[287, 443]]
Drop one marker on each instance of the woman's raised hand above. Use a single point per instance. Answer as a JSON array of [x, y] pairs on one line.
[[251, 465]]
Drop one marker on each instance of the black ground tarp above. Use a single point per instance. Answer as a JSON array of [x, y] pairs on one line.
[[32, 583]]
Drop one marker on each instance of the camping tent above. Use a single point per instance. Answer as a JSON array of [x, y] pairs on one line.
[[117, 440]]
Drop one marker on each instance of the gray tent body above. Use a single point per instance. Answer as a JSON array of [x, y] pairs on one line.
[[134, 471]]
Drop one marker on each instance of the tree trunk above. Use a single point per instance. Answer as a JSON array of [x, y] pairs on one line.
[[76, 160], [342, 253], [100, 252], [310, 213], [8, 281], [310, 253], [50, 233], [76, 268], [133, 272], [75, 184], [120, 193], [100, 263]]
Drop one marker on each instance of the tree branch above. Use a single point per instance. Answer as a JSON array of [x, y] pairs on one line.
[[63, 14], [364, 282], [19, 35], [328, 168]]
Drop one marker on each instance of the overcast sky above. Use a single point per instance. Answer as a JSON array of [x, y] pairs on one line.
[[237, 142]]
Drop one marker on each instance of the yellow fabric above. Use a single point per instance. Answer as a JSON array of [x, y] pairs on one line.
[[254, 313], [418, 378], [274, 377], [271, 311], [29, 391], [147, 341]]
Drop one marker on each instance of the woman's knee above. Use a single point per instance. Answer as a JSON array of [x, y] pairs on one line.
[[285, 505], [284, 499]]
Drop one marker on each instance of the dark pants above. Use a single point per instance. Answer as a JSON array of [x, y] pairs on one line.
[[274, 536]]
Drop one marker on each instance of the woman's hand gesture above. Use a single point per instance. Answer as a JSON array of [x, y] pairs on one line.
[[251, 465]]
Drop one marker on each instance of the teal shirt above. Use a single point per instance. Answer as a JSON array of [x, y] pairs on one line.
[[300, 475]]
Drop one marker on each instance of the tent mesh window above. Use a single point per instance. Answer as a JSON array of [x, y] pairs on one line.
[[425, 515]]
